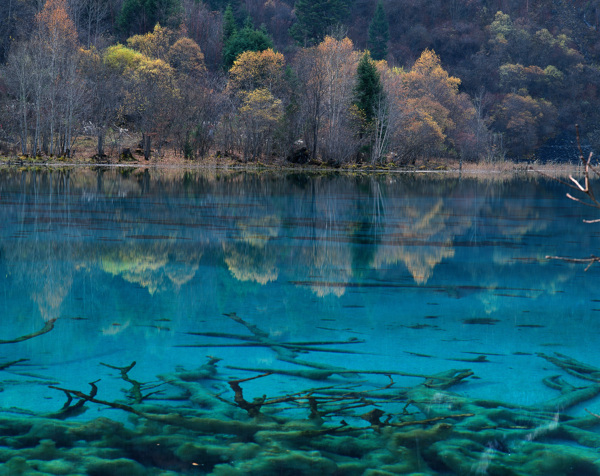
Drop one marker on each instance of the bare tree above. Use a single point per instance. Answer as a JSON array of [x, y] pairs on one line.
[[589, 200]]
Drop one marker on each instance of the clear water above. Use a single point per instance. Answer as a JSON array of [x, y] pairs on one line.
[[404, 273]]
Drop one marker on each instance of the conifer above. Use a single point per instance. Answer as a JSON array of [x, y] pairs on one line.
[[368, 90], [379, 34], [315, 18]]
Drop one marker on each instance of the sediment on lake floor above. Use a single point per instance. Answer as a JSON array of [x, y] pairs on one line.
[[201, 421]]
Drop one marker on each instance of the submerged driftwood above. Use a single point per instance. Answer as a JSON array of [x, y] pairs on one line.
[[199, 421]]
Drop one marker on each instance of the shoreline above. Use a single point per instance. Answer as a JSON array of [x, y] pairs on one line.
[[426, 167]]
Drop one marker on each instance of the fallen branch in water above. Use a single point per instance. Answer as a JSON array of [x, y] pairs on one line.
[[47, 328], [591, 260]]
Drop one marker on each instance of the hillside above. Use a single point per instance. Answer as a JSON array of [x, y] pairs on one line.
[[467, 79]]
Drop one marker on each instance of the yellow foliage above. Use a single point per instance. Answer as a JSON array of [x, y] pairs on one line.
[[154, 70], [428, 78], [154, 44], [186, 57], [122, 58], [261, 107], [257, 70]]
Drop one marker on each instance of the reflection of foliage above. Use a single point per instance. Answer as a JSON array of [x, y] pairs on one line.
[[257, 232], [331, 265], [329, 261], [420, 260], [50, 278], [249, 258], [152, 268], [250, 263]]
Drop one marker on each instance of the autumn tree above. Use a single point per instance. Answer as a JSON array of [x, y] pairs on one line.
[[437, 109], [379, 33], [257, 84], [150, 92], [104, 96], [327, 76], [257, 69], [49, 92], [525, 121], [336, 66], [312, 80], [259, 114], [199, 107], [21, 86], [154, 44], [186, 57]]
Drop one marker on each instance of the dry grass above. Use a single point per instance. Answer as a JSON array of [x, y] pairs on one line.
[[84, 153]]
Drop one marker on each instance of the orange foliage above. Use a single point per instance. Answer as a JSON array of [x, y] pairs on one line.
[[56, 24]]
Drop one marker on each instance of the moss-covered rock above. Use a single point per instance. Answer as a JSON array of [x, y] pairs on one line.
[[115, 467]]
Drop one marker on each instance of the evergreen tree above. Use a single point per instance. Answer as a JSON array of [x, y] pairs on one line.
[[379, 34], [246, 39], [368, 89], [316, 17], [140, 16], [229, 24]]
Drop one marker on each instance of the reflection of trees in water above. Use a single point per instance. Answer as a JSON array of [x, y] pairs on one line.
[[45, 272], [247, 253], [328, 259], [341, 226], [156, 267], [250, 263], [421, 224], [41, 266]]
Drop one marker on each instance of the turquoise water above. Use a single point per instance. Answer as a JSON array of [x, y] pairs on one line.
[[335, 286]]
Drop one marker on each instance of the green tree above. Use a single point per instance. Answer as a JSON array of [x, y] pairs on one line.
[[246, 39], [368, 88], [379, 33], [140, 16], [229, 24], [316, 17], [369, 105]]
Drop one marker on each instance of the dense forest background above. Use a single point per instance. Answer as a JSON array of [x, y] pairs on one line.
[[332, 80]]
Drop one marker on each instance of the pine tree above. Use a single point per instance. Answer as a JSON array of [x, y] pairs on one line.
[[246, 39], [379, 33], [229, 24], [368, 89], [316, 17], [140, 16]]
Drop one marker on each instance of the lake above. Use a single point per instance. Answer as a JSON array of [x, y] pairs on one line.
[[167, 321]]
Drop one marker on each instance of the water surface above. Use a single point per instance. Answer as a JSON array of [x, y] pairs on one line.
[[336, 286]]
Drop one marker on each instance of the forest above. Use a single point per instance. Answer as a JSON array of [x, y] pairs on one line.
[[330, 81]]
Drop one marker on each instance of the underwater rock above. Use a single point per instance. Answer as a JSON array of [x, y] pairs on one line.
[[58, 467], [301, 463], [115, 467], [17, 465]]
